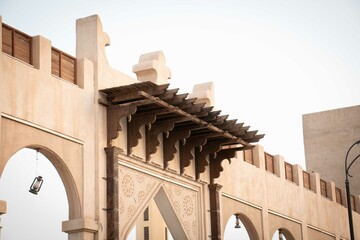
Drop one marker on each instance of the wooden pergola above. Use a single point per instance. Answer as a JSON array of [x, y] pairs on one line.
[[198, 128]]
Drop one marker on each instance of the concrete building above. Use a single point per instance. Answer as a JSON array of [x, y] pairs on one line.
[[119, 143], [328, 135]]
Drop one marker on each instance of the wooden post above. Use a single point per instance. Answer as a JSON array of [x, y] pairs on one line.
[[215, 211]]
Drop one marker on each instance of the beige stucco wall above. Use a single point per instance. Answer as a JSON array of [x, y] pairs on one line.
[[327, 137], [68, 124], [251, 190]]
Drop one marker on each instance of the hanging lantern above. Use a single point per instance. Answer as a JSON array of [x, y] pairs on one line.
[[237, 221], [36, 185], [281, 235]]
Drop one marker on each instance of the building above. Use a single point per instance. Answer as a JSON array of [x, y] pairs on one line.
[[328, 135], [120, 143]]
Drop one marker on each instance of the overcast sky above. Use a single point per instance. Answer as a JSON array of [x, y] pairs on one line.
[[271, 61]]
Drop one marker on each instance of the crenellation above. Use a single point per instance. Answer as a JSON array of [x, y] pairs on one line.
[[331, 191], [279, 169], [259, 157], [297, 175]]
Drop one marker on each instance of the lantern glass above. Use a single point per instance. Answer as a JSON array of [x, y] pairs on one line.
[[36, 185]]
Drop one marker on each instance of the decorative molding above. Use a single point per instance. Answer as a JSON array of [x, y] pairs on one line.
[[30, 124], [241, 201]]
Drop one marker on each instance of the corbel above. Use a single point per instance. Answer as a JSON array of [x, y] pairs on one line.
[[152, 137], [114, 115], [216, 161], [170, 144], [134, 125], [202, 155], [186, 154]]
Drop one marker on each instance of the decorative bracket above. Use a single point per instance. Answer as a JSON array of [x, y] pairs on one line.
[[152, 137], [215, 163], [134, 126], [170, 144], [114, 115], [186, 154], [202, 156]]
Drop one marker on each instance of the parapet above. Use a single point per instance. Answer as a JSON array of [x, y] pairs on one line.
[[204, 92], [312, 181], [152, 67]]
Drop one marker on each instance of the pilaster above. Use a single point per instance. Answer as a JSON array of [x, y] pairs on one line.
[[112, 208], [214, 190]]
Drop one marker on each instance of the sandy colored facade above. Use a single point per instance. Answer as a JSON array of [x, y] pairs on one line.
[[119, 143], [328, 135]]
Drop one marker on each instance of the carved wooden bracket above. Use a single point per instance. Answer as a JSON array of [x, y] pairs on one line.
[[152, 137], [170, 144], [134, 125], [215, 163], [202, 156], [114, 114], [186, 154]]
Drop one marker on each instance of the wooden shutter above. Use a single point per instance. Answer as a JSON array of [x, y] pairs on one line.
[[288, 172], [63, 65], [269, 162], [22, 47], [323, 188], [306, 180], [68, 68], [7, 36], [248, 156], [338, 195], [55, 62], [16, 43], [352, 202]]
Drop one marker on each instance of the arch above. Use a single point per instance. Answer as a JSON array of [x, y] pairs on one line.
[[249, 226], [64, 173], [40, 216], [285, 232], [63, 152]]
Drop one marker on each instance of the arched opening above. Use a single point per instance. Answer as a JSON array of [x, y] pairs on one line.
[[282, 234], [39, 216], [239, 226]]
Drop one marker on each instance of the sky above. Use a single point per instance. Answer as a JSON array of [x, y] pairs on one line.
[[270, 61]]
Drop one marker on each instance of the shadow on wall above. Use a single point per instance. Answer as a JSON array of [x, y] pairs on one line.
[[31, 216]]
